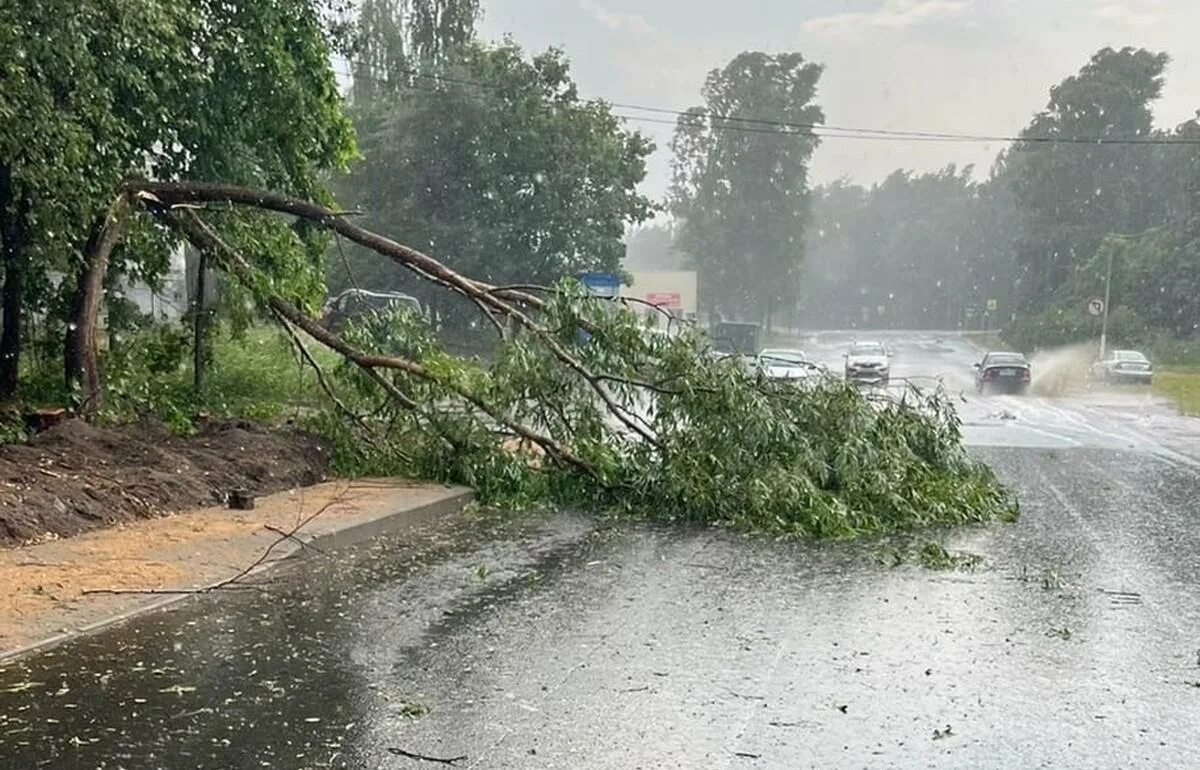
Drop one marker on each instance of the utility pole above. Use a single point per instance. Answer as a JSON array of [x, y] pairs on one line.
[[1108, 286], [1107, 297]]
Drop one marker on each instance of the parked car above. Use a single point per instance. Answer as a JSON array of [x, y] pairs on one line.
[[356, 302], [786, 364], [1003, 371], [1123, 366], [868, 362]]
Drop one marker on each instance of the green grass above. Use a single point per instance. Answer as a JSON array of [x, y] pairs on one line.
[[254, 376], [1181, 385], [259, 375]]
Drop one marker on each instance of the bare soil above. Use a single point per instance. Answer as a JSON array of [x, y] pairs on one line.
[[77, 477]]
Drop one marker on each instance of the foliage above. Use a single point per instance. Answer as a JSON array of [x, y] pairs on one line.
[[1069, 196], [255, 374], [741, 189], [935, 556], [726, 448], [98, 90], [495, 161], [1036, 237], [923, 251], [394, 37], [1067, 324]]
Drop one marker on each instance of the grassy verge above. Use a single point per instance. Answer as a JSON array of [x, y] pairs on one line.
[[1181, 386], [986, 341]]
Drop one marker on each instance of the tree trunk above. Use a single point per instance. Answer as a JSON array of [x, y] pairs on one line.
[[73, 342], [10, 338], [82, 360], [200, 321], [15, 260]]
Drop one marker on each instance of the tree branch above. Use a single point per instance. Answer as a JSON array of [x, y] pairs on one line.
[[173, 193], [202, 236]]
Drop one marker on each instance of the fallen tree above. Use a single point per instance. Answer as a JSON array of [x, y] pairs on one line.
[[583, 406]]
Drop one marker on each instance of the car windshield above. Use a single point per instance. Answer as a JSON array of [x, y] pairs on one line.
[[867, 349], [783, 357], [1002, 359], [1129, 355]]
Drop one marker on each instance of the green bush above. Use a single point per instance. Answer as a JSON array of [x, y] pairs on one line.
[[1057, 326]]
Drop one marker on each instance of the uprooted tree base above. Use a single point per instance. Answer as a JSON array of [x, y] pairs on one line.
[[76, 477], [583, 406]]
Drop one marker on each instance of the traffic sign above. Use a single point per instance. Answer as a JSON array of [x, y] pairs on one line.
[[1095, 306], [665, 299], [602, 284]]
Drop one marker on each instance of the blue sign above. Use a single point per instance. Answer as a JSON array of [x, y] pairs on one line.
[[602, 284]]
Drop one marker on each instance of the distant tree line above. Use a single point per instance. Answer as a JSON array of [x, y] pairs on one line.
[[1089, 178]]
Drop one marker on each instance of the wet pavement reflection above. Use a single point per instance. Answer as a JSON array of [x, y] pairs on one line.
[[557, 640]]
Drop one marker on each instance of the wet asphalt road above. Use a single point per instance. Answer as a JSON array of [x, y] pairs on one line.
[[557, 641]]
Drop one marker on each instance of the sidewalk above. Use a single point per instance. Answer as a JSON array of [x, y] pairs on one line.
[[44, 601]]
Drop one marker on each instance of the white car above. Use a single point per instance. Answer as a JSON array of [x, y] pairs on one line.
[[786, 364], [868, 362], [1119, 366]]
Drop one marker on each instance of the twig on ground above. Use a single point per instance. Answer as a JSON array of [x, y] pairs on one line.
[[232, 583], [302, 543], [425, 757]]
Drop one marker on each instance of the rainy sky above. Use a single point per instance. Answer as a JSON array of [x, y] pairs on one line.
[[972, 66]]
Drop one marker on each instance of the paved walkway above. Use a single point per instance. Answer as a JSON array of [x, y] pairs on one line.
[[49, 587]]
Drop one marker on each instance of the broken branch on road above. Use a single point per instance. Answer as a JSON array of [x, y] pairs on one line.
[[582, 405]]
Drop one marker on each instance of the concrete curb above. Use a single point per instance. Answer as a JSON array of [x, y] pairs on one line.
[[352, 534]]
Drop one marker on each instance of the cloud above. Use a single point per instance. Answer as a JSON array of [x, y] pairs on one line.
[[1133, 14], [893, 14], [624, 23]]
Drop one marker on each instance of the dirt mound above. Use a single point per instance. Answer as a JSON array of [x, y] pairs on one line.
[[75, 476]]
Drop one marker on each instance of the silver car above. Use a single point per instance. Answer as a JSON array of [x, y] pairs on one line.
[[1121, 366], [785, 364], [868, 362]]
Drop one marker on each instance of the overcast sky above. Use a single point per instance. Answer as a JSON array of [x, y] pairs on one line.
[[969, 66]]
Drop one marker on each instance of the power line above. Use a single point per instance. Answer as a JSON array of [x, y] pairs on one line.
[[721, 122], [818, 132]]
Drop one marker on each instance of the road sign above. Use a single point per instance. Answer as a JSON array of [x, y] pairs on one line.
[[668, 299], [602, 284], [1095, 306], [991, 305]]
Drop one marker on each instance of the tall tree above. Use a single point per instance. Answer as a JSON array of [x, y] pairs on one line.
[[1069, 195], [740, 184], [106, 89], [500, 166], [916, 250], [394, 39]]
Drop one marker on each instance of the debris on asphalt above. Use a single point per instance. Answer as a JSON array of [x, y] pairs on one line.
[[425, 757]]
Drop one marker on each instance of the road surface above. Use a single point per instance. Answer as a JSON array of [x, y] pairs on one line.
[[557, 642]]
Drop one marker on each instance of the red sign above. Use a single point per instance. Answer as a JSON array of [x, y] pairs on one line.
[[667, 299]]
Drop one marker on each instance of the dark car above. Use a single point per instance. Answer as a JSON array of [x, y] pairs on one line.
[[1123, 366], [355, 302], [1004, 372]]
